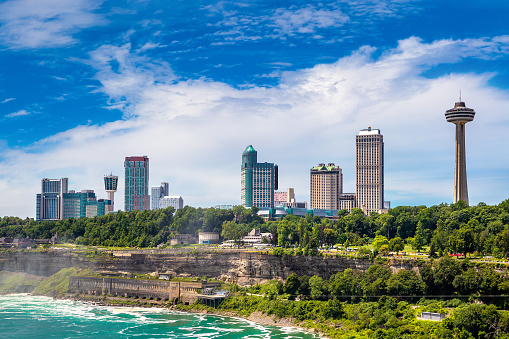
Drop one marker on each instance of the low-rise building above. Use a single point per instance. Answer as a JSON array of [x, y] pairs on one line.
[[208, 238]]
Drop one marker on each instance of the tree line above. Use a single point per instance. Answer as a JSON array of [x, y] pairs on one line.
[[455, 228]]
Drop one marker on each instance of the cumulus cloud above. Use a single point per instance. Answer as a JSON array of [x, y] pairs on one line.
[[194, 131], [45, 24]]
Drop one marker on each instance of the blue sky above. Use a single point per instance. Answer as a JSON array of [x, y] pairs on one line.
[[190, 84]]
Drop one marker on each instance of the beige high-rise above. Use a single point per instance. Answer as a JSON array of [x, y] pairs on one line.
[[326, 186], [370, 170], [460, 115]]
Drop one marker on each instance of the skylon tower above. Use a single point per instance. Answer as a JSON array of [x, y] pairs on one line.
[[460, 115]]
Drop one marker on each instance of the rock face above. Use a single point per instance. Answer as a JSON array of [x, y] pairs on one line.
[[234, 266]]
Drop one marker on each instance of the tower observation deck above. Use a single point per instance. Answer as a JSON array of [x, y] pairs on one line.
[[110, 186], [460, 115]]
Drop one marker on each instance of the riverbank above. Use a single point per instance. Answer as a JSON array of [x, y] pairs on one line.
[[256, 317]]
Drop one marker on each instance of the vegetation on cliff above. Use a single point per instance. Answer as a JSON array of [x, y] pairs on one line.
[[380, 304]]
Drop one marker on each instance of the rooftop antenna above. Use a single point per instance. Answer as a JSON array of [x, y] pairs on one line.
[[460, 95]]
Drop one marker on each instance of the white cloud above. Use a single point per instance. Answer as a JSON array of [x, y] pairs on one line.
[[307, 19], [195, 131], [7, 100], [45, 24], [341, 18], [18, 114]]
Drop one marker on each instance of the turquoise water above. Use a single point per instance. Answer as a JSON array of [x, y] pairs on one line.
[[26, 316]]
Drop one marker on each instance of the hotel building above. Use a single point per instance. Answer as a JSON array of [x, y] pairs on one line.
[[370, 170], [258, 180], [136, 195]]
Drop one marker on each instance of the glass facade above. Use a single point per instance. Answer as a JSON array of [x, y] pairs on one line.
[[258, 180], [49, 201], [136, 195]]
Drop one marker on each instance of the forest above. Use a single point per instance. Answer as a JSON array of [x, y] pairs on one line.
[[455, 228]]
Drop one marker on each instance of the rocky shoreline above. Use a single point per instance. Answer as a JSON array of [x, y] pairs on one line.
[[257, 317]]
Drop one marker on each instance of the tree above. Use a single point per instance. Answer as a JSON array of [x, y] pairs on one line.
[[383, 250], [396, 244], [379, 241], [317, 287], [405, 282], [232, 231], [291, 284]]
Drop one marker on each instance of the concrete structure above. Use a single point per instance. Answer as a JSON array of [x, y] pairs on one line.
[[208, 238], [183, 239], [326, 186], [186, 292], [432, 316], [110, 186], [258, 180], [370, 170], [460, 115], [49, 204], [136, 195]]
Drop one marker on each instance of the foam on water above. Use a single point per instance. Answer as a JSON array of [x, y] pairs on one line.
[[27, 316]]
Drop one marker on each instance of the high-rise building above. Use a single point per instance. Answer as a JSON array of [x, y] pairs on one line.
[[136, 195], [326, 186], [110, 186], [160, 198], [258, 180], [460, 115], [174, 201], [370, 170], [84, 204], [49, 205]]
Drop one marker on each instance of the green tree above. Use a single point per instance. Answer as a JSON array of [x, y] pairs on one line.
[[379, 241], [396, 244]]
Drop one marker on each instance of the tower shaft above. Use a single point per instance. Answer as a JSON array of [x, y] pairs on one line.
[[460, 166]]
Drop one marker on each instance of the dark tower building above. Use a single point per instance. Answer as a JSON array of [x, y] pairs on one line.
[[460, 115]]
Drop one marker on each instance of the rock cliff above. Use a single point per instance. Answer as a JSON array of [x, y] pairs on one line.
[[235, 266]]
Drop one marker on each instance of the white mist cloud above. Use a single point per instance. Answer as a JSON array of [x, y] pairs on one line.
[[195, 131], [45, 24]]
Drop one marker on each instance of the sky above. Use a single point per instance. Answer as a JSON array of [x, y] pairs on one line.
[[190, 84]]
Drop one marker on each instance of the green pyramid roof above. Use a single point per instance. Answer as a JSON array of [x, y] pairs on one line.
[[249, 149]]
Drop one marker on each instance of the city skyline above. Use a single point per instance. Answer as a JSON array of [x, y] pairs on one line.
[[86, 82]]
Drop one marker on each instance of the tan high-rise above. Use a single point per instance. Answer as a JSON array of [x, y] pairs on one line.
[[326, 186], [370, 170], [460, 115]]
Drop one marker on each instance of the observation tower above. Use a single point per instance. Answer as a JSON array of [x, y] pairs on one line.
[[460, 115], [110, 185]]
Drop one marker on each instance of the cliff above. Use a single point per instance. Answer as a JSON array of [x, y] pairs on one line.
[[234, 266]]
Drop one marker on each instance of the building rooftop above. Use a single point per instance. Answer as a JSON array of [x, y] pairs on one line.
[[369, 131], [322, 167], [249, 149]]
